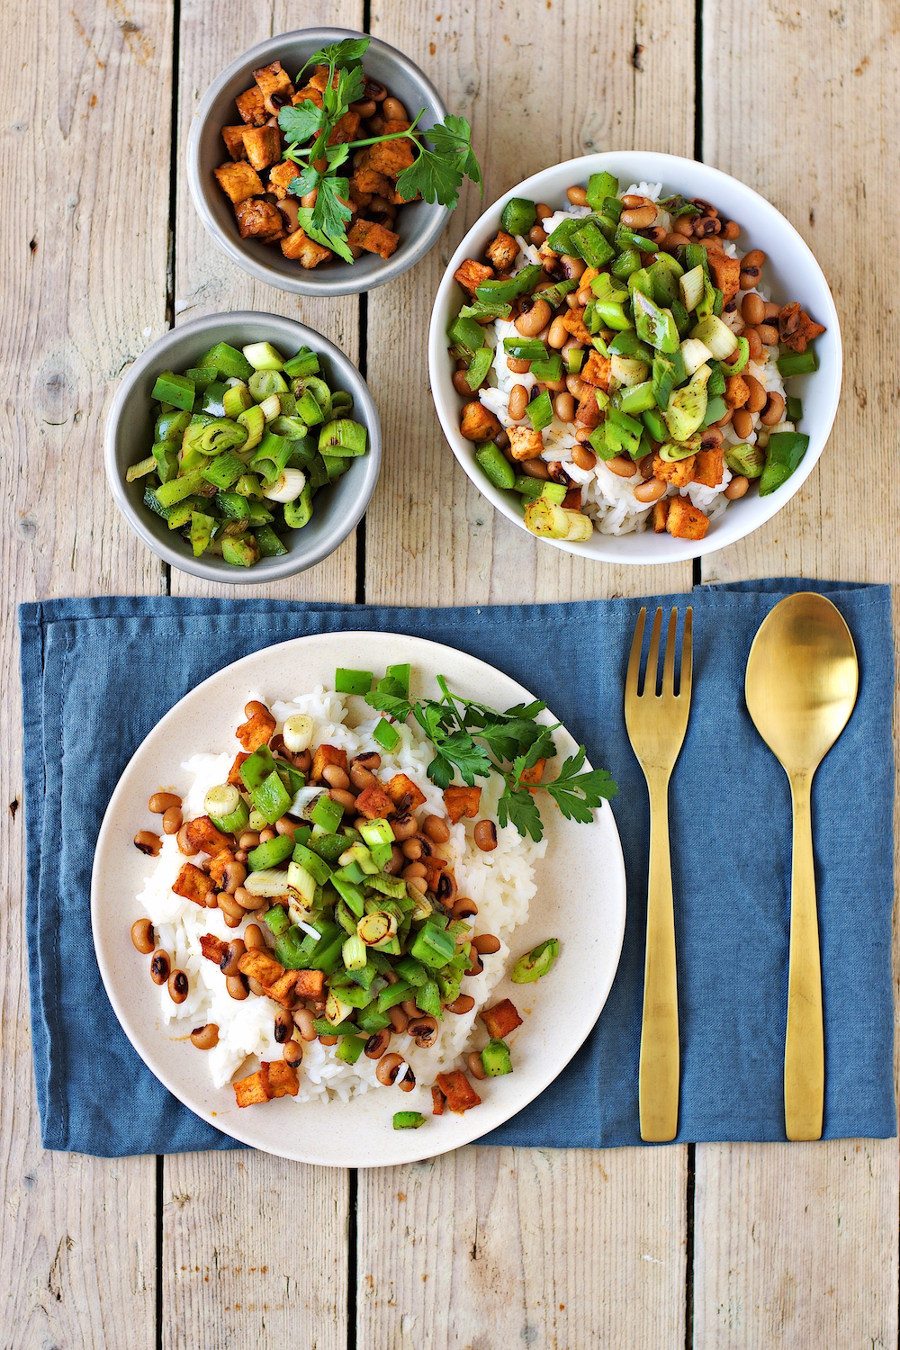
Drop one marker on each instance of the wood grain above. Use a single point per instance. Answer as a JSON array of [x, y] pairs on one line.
[[229, 1261], [77, 1240], [814, 1257], [524, 1246]]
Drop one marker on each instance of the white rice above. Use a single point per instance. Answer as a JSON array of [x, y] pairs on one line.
[[501, 883], [608, 499]]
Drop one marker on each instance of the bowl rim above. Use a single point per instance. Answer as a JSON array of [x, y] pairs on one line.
[[603, 547], [306, 283], [268, 569]]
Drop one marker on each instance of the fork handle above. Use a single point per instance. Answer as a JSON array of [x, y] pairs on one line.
[[804, 1048], [660, 1057]]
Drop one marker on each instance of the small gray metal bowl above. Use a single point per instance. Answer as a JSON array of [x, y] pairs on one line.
[[419, 224], [129, 435]]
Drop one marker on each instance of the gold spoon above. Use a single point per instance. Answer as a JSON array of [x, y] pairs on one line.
[[801, 685]]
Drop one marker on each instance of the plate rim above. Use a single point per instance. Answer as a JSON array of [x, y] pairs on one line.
[[239, 1136]]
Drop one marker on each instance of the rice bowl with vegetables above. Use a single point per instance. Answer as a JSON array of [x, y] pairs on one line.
[[595, 457], [348, 934]]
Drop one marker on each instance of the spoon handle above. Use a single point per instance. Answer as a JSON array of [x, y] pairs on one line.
[[804, 1049], [658, 1077]]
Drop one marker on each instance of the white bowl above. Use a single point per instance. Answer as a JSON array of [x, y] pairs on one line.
[[791, 273]]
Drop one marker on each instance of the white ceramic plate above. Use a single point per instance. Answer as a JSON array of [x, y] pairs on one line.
[[580, 900], [791, 273]]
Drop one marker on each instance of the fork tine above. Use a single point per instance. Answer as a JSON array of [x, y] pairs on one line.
[[668, 679], [687, 654], [653, 654], [634, 656]]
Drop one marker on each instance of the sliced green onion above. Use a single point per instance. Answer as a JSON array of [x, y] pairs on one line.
[[263, 356], [141, 469], [496, 1059], [784, 452], [350, 1049], [540, 411], [175, 389], [354, 953], [270, 853], [798, 363], [495, 466], [408, 1120], [342, 437], [305, 363], [536, 963]]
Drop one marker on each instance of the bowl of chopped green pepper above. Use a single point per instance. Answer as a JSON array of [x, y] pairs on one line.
[[323, 162], [243, 447]]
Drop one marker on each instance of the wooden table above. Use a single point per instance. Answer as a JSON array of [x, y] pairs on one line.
[[715, 1246]]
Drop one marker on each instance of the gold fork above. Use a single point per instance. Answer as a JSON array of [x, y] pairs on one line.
[[656, 724]]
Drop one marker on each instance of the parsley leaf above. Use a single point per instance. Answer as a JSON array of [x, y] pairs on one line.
[[575, 793], [437, 173], [330, 211], [342, 53], [300, 123], [396, 707], [335, 243], [307, 179], [517, 806]]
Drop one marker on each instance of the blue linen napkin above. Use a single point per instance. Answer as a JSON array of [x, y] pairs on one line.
[[98, 674]]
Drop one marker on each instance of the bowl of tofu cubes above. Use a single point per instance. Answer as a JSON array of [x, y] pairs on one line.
[[244, 187]]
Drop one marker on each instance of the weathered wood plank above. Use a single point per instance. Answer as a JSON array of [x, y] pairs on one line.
[[228, 1259], [814, 1257], [77, 1241], [554, 1249]]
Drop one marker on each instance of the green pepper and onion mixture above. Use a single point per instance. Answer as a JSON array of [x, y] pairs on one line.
[[639, 330], [242, 444]]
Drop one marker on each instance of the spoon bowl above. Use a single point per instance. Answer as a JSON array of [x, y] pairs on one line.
[[801, 686]]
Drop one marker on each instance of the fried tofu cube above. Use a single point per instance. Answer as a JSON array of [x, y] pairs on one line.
[[310, 984], [283, 1079], [502, 251], [470, 274], [438, 1101], [572, 500], [234, 141], [345, 128], [389, 157], [395, 124], [709, 466], [273, 79], [193, 884], [726, 274], [686, 521], [374, 803], [254, 1089], [596, 370], [308, 94], [283, 989], [462, 801], [263, 146], [281, 176], [300, 248], [259, 219], [325, 755], [660, 515], [239, 181], [679, 473], [259, 965], [458, 1092], [796, 329], [404, 793], [366, 183], [587, 414], [737, 391], [501, 1019], [524, 442], [478, 423], [258, 729], [234, 773], [213, 948], [372, 237], [319, 77], [573, 322], [533, 775], [204, 837], [251, 107]]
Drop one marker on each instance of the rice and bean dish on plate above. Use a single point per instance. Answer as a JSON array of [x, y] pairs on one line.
[[329, 911], [622, 365]]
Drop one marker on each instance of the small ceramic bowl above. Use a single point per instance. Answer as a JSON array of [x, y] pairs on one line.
[[791, 273], [129, 434], [419, 224]]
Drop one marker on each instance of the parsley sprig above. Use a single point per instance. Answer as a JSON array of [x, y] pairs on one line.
[[444, 154], [472, 739]]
